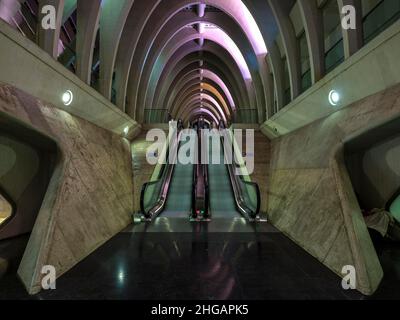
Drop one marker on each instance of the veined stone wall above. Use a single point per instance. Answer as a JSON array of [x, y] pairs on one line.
[[311, 198], [89, 198]]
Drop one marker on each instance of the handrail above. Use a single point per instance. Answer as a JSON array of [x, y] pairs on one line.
[[243, 208], [207, 214], [194, 188], [202, 169], [165, 175]]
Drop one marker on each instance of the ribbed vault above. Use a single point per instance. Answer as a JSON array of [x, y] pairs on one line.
[[149, 56]]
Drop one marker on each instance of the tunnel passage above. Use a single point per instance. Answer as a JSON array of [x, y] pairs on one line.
[[27, 161], [372, 162], [374, 170]]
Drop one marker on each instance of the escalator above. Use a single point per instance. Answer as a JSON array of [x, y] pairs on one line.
[[230, 194], [199, 191], [171, 194], [179, 200], [222, 199]]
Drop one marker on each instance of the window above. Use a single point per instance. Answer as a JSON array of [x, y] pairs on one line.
[[379, 15]]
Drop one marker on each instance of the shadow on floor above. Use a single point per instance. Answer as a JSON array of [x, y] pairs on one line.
[[389, 256], [11, 252]]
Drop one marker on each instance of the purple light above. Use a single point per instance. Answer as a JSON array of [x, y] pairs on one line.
[[238, 10], [217, 35], [212, 76]]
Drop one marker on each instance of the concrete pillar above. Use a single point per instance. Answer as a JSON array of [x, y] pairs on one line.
[[8, 10], [88, 16], [290, 45], [312, 21], [48, 40], [352, 39], [112, 20], [277, 69]]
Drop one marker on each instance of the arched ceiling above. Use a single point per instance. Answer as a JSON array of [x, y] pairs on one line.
[[217, 42], [182, 57], [161, 56]]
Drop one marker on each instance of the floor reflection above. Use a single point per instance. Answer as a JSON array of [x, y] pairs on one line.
[[257, 264], [199, 265]]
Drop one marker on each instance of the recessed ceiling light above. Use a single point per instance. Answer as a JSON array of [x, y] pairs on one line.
[[67, 97], [334, 98]]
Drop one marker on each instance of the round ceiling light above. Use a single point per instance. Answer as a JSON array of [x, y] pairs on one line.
[[334, 98], [67, 97], [126, 131]]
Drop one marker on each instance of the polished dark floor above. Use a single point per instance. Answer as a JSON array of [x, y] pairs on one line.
[[246, 263]]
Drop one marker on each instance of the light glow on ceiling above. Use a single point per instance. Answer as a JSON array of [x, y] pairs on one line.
[[218, 35]]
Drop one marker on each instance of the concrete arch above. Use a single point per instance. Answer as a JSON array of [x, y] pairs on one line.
[[208, 87], [194, 70], [196, 90], [136, 21], [220, 20], [174, 41], [195, 105], [312, 21], [198, 113], [196, 99], [262, 13], [211, 52], [48, 39], [88, 15], [112, 20], [230, 12], [192, 78], [281, 13], [189, 55], [185, 35]]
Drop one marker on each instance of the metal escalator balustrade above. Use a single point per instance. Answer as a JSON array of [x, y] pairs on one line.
[[171, 193], [179, 201], [222, 201], [200, 193], [199, 188], [246, 193], [153, 195]]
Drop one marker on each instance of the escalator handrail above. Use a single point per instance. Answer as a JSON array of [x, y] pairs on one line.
[[205, 179], [240, 203], [194, 189], [207, 191], [258, 192], [165, 175]]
